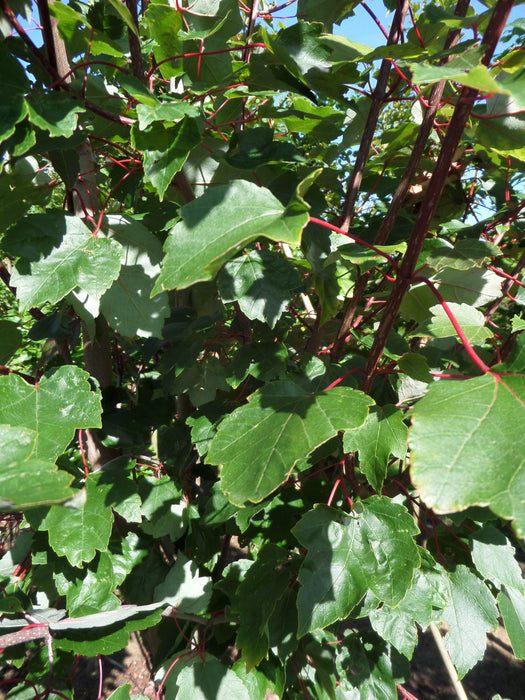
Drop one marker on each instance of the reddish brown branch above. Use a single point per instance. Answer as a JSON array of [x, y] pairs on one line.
[[433, 194]]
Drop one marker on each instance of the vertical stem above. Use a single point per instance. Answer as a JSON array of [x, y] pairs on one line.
[[378, 97], [431, 200]]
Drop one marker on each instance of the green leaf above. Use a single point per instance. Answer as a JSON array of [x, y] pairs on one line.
[[422, 605], [10, 340], [183, 588], [475, 287], [460, 454], [55, 112], [217, 225], [206, 679], [371, 549], [164, 24], [125, 15], [59, 404], [264, 584], [465, 253], [59, 253], [382, 434], [165, 149], [265, 361], [325, 12], [91, 592], [471, 322], [115, 481], [79, 533], [368, 668], [281, 424], [127, 305], [459, 70], [512, 607], [261, 281], [19, 468], [470, 613], [165, 111], [495, 558]]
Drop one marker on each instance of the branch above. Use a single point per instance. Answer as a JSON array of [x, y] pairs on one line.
[[378, 97], [432, 196]]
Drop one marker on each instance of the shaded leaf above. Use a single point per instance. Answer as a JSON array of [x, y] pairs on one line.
[[264, 584], [261, 282], [495, 558], [165, 149], [55, 112], [471, 322], [10, 340], [382, 434], [127, 305], [201, 680]]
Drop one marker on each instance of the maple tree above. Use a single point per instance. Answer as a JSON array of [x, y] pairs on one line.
[[263, 365]]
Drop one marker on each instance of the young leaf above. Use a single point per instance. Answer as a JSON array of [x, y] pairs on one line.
[[259, 443], [371, 549], [460, 455], [218, 224]]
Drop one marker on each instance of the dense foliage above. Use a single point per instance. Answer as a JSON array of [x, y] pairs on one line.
[[263, 364]]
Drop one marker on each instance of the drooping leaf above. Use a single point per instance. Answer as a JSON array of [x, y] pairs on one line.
[[125, 15], [371, 549], [165, 149], [470, 613], [495, 558], [259, 443], [264, 584], [461, 457], [512, 607], [58, 253], [382, 434], [217, 225], [261, 282], [60, 403], [79, 533]]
